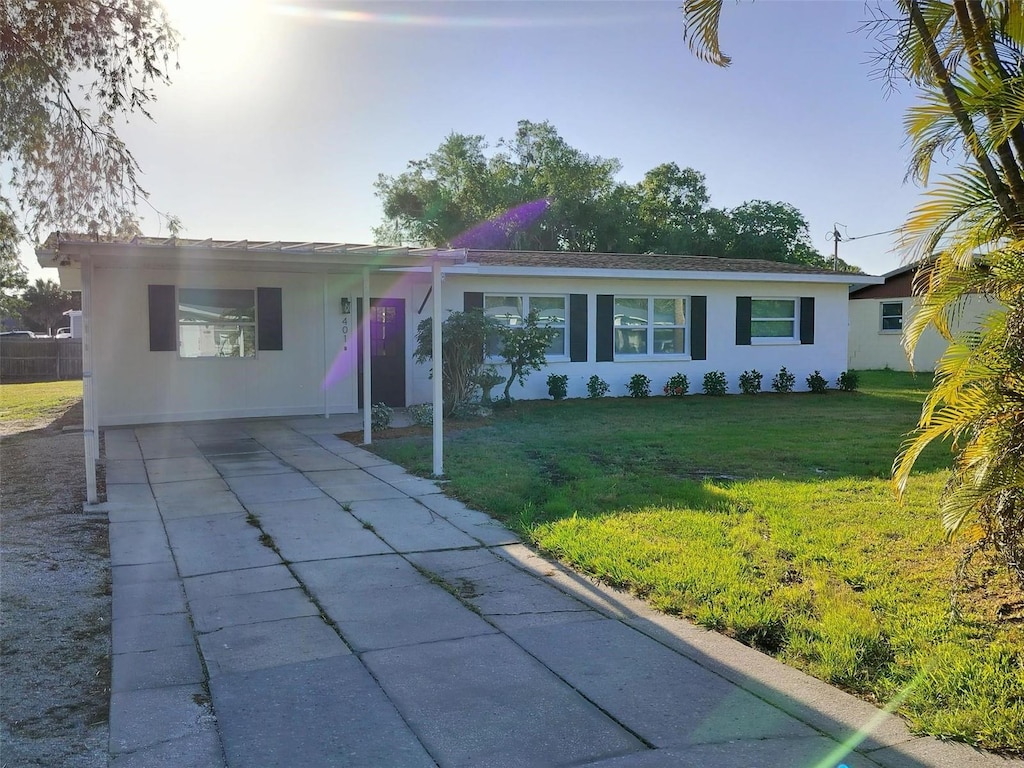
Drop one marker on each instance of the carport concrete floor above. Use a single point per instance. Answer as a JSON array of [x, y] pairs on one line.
[[284, 598]]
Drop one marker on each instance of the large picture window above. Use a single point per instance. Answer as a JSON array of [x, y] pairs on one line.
[[216, 322], [773, 319], [649, 326], [512, 310]]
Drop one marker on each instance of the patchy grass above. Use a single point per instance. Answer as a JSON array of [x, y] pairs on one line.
[[768, 518], [38, 404]]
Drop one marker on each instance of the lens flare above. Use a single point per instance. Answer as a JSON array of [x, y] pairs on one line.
[[340, 16], [499, 231]]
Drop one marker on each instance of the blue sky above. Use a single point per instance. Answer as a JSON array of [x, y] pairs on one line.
[[282, 115]]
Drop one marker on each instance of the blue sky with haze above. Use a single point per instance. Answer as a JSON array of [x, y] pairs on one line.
[[282, 114]]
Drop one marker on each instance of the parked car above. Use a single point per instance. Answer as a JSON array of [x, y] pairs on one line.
[[63, 333], [18, 334]]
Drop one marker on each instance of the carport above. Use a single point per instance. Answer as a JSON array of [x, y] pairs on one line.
[[79, 259]]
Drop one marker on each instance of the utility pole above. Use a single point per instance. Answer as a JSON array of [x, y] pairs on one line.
[[836, 237]]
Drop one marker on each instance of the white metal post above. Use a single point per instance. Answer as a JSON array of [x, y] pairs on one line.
[[364, 332], [90, 431], [327, 359], [435, 331]]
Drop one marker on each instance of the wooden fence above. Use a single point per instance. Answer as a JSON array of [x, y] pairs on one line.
[[23, 360]]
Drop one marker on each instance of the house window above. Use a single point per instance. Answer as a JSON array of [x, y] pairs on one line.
[[216, 322], [892, 316], [649, 326], [773, 319], [512, 310]]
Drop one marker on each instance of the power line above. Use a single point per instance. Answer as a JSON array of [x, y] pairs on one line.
[[874, 234]]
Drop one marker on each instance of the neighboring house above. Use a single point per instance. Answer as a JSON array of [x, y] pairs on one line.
[[879, 314], [74, 317], [185, 329]]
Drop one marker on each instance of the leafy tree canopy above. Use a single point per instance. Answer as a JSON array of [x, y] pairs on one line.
[[70, 71], [12, 273], [45, 305], [535, 192]]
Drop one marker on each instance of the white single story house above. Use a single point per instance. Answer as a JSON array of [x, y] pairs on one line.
[[178, 330], [879, 313]]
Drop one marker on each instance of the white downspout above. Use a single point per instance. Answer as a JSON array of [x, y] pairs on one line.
[[90, 431], [364, 332], [435, 330]]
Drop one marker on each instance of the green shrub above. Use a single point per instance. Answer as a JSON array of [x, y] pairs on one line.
[[596, 386], [817, 383], [750, 382], [715, 383], [639, 385], [558, 385], [677, 385], [783, 381], [422, 415], [848, 381], [380, 417]]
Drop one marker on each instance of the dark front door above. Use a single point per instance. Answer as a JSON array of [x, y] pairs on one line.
[[387, 351]]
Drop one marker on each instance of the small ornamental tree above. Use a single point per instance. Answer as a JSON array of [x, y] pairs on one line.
[[524, 348], [463, 336]]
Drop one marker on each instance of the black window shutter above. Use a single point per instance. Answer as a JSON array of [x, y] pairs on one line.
[[163, 319], [269, 330], [578, 327], [807, 320], [472, 300], [604, 326], [742, 320], [698, 327]]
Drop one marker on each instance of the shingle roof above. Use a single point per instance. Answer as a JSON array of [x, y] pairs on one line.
[[635, 261]]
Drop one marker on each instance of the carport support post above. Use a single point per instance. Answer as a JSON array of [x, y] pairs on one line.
[[90, 431], [364, 330], [438, 380]]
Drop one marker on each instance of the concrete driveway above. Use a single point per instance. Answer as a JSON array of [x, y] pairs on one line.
[[284, 598]]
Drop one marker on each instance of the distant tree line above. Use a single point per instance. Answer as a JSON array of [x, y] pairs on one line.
[[535, 192]]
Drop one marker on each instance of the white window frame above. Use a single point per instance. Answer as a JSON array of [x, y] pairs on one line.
[[526, 299], [882, 317], [651, 354], [759, 340], [214, 326]]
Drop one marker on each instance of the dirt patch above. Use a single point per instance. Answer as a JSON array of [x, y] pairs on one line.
[[55, 589]]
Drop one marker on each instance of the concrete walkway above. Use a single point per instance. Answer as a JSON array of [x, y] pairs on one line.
[[284, 598]]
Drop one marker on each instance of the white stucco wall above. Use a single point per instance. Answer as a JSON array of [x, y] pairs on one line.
[[135, 385], [827, 354], [870, 347]]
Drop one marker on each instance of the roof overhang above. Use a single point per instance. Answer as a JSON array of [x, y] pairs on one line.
[[67, 253], [843, 278]]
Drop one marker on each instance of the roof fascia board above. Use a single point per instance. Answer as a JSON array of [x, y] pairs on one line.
[[844, 278], [279, 259]]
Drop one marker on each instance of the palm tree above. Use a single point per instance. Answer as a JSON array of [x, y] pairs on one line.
[[967, 59]]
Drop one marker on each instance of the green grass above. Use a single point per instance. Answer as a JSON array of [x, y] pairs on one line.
[[37, 402], [768, 518]]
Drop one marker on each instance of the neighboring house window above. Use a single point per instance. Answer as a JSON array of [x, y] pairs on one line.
[[649, 326], [892, 316], [773, 319], [511, 310], [216, 322]]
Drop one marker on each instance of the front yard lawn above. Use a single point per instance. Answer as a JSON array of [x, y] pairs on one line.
[[768, 518]]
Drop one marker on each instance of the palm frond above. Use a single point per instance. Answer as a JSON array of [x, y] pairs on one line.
[[701, 19]]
